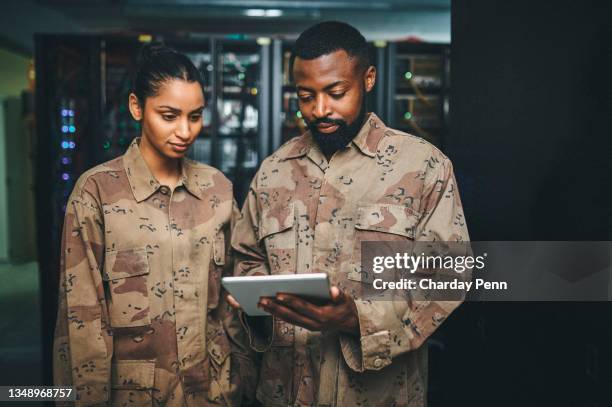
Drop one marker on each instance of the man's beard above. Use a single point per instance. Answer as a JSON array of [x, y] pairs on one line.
[[329, 143]]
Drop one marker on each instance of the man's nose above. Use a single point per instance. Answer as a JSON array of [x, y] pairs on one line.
[[321, 108]]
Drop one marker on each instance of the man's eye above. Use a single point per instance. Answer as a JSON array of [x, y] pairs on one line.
[[337, 95], [168, 117], [305, 98]]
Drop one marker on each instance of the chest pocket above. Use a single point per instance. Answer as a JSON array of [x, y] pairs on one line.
[[277, 231], [383, 220], [126, 272], [381, 223]]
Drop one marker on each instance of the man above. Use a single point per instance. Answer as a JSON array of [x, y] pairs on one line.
[[348, 179]]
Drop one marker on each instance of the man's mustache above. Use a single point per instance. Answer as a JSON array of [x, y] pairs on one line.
[[328, 120]]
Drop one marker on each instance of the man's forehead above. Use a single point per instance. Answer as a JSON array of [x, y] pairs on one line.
[[337, 64]]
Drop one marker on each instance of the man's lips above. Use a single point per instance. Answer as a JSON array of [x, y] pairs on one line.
[[327, 127]]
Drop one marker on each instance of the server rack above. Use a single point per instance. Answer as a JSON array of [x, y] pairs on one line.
[[241, 127], [65, 107], [417, 90]]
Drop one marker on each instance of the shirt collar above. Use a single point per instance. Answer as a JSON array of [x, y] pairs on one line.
[[370, 134], [189, 178], [142, 181]]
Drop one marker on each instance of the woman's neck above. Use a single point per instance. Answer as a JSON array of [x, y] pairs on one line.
[[165, 170]]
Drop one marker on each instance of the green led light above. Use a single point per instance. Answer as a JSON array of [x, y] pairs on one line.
[[299, 114], [407, 115], [408, 75], [240, 76], [122, 141], [106, 145]]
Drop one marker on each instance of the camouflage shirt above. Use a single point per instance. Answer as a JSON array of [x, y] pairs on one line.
[[304, 214], [141, 317]]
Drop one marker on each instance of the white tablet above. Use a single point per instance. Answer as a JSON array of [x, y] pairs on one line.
[[248, 290]]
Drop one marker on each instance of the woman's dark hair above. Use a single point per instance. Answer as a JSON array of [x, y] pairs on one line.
[[157, 64]]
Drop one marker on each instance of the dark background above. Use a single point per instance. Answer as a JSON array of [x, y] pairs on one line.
[[530, 130]]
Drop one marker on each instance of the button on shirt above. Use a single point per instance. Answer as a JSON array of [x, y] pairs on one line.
[[304, 214], [140, 316]]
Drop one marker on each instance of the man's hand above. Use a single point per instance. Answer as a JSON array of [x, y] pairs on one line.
[[338, 315]]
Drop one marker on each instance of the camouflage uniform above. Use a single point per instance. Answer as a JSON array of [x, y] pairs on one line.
[[304, 214], [141, 320]]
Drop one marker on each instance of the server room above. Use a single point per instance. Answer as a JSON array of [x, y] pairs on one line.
[[515, 94]]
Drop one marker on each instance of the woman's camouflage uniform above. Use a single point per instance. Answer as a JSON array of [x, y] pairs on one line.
[[141, 318]]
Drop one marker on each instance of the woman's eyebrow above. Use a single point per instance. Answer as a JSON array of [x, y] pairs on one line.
[[173, 109], [198, 110]]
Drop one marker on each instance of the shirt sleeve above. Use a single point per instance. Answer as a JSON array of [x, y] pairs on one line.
[[244, 361], [82, 341], [250, 259], [391, 328]]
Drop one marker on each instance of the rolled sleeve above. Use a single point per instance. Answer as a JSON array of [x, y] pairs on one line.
[[371, 350]]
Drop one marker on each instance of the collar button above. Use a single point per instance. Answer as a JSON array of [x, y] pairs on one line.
[[164, 190]]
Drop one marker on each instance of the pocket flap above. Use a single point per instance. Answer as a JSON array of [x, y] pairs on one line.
[[125, 263], [387, 218], [219, 249], [133, 374], [275, 220]]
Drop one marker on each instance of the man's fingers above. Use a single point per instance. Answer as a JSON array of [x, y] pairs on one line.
[[289, 315], [299, 305], [336, 294], [232, 302]]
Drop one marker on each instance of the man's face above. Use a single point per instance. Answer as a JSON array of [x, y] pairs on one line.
[[331, 92]]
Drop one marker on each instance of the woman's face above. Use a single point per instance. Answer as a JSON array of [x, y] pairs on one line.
[[172, 119]]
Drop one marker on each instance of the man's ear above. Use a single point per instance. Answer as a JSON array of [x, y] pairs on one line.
[[135, 108], [369, 78]]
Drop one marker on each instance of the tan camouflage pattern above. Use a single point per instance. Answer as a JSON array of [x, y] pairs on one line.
[[304, 214], [141, 317]]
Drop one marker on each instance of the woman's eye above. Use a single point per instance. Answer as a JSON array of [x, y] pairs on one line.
[[168, 117], [195, 117]]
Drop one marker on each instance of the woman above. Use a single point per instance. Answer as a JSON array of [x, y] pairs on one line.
[[141, 320]]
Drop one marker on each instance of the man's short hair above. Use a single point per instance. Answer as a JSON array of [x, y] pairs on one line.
[[331, 36]]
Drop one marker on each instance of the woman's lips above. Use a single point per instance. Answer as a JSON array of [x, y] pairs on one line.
[[179, 147]]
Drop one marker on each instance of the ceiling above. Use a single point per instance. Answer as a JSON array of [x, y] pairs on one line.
[[427, 20]]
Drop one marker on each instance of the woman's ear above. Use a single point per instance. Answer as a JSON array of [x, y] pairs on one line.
[[135, 108], [370, 78]]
